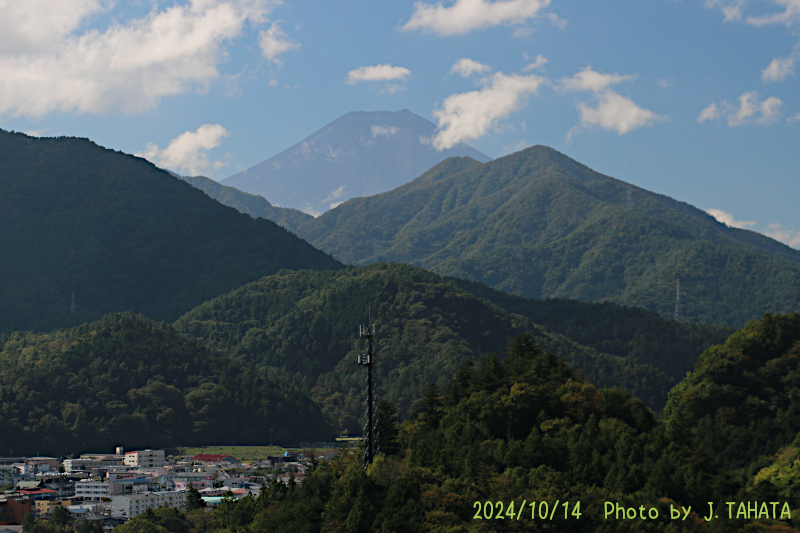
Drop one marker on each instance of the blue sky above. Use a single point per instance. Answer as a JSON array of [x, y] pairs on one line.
[[696, 99]]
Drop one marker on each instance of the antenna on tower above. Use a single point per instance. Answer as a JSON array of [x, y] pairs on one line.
[[678, 312], [366, 359]]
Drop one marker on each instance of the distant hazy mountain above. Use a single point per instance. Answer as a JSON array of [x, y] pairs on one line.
[[358, 154], [121, 235], [539, 224], [251, 204]]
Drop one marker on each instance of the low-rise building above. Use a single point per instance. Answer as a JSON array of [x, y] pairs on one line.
[[131, 486], [45, 507], [45, 464], [6, 474], [182, 481], [145, 458], [13, 510], [132, 505], [88, 462], [199, 485], [90, 489]]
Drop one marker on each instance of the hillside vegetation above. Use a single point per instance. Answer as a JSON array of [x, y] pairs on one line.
[[128, 380], [305, 325], [541, 225], [742, 400], [121, 235], [523, 444]]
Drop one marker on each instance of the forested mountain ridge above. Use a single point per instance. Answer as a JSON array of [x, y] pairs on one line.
[[305, 325], [127, 380], [636, 334], [121, 235], [539, 224]]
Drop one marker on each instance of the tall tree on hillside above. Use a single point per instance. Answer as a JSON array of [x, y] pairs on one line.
[[388, 423]]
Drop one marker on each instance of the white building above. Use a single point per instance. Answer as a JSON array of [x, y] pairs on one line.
[[145, 458], [131, 505], [87, 462], [91, 489]]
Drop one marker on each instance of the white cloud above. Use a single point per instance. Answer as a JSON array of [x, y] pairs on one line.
[[309, 210], [188, 152], [523, 32], [728, 219], [734, 10], [391, 88], [778, 69], [787, 236], [329, 153], [466, 67], [664, 83], [463, 16], [306, 149], [731, 9], [275, 42], [384, 72], [788, 17], [334, 195], [128, 67], [709, 113], [591, 80], [615, 112], [751, 110], [470, 115], [386, 131], [41, 25], [538, 62]]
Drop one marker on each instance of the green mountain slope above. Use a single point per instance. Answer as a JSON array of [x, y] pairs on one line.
[[252, 204], [522, 444], [121, 235], [539, 224], [743, 398], [639, 335], [128, 380], [305, 325]]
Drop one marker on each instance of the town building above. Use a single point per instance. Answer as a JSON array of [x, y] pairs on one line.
[[145, 458], [12, 511], [90, 489], [88, 462], [132, 505], [45, 507]]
